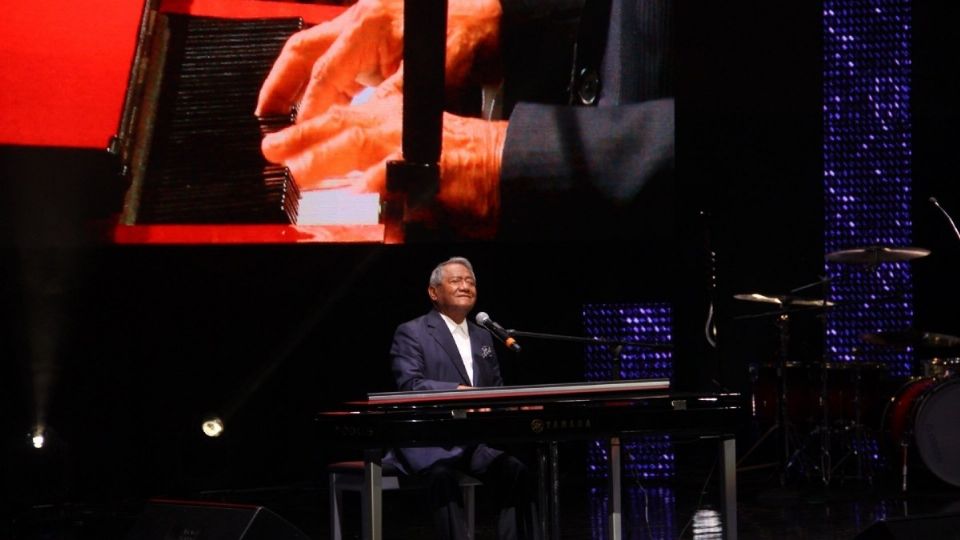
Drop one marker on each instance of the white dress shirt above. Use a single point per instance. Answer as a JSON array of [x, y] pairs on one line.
[[461, 336]]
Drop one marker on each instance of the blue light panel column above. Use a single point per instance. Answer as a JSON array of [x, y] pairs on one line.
[[642, 323], [648, 457], [649, 513], [867, 173]]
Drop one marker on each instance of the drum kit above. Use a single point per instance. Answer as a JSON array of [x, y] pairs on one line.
[[857, 410]]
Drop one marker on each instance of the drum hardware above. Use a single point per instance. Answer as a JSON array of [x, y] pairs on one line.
[[851, 428], [899, 441], [819, 408], [836, 410], [861, 429], [791, 448], [941, 367], [915, 339], [917, 423], [856, 411]]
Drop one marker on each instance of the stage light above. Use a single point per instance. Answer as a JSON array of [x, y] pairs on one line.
[[37, 438], [213, 427]]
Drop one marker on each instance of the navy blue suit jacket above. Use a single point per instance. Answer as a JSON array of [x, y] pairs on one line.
[[424, 357]]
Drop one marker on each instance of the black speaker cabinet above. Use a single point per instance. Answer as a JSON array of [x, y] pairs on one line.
[[937, 526], [195, 520]]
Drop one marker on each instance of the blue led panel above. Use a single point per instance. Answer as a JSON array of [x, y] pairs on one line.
[[648, 457], [867, 173], [641, 323], [649, 513]]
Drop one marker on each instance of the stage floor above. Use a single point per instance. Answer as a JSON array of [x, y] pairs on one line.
[[683, 505]]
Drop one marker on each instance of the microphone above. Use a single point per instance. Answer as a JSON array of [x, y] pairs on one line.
[[933, 201], [485, 321]]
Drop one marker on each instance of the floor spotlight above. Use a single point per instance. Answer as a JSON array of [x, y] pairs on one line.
[[213, 426], [37, 438]]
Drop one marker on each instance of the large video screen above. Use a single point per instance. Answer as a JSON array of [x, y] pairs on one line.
[[267, 121]]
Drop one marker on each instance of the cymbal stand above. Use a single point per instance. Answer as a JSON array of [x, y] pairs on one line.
[[825, 440], [855, 435], [783, 322], [793, 454], [787, 456], [826, 457]]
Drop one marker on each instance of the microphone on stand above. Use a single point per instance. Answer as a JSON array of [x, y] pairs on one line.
[[485, 321], [933, 201]]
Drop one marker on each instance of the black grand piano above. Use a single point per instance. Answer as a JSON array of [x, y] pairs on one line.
[[542, 414]]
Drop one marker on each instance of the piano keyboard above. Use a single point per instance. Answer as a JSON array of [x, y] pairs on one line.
[[204, 163]]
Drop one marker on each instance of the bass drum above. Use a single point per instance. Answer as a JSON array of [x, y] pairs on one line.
[[925, 415]]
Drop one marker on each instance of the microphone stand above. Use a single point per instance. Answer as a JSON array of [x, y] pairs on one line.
[[587, 339], [549, 462], [618, 345], [936, 203]]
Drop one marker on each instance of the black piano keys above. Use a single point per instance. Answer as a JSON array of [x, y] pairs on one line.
[[204, 163]]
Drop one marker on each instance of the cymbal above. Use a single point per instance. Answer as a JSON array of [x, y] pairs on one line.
[[782, 300], [876, 254], [912, 338]]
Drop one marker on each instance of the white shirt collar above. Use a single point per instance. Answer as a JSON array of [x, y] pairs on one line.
[[453, 327]]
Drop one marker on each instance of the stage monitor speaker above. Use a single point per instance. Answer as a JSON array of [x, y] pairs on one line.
[[934, 526], [164, 519]]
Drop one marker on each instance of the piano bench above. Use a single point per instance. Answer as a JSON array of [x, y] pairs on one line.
[[348, 476]]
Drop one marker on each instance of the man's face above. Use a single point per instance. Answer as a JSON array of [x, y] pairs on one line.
[[457, 293]]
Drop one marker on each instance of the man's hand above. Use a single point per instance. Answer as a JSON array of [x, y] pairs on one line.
[[362, 138], [330, 63]]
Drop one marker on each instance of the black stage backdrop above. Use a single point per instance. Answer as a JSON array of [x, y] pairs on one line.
[[936, 167], [125, 349]]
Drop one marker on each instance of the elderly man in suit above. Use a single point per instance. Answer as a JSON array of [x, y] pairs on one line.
[[442, 350]]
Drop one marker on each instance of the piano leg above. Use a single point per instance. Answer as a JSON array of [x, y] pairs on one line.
[[615, 509], [554, 490], [548, 463], [543, 479], [372, 505], [728, 486]]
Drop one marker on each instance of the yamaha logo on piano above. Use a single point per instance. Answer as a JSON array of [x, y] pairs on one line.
[[539, 426], [353, 431]]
